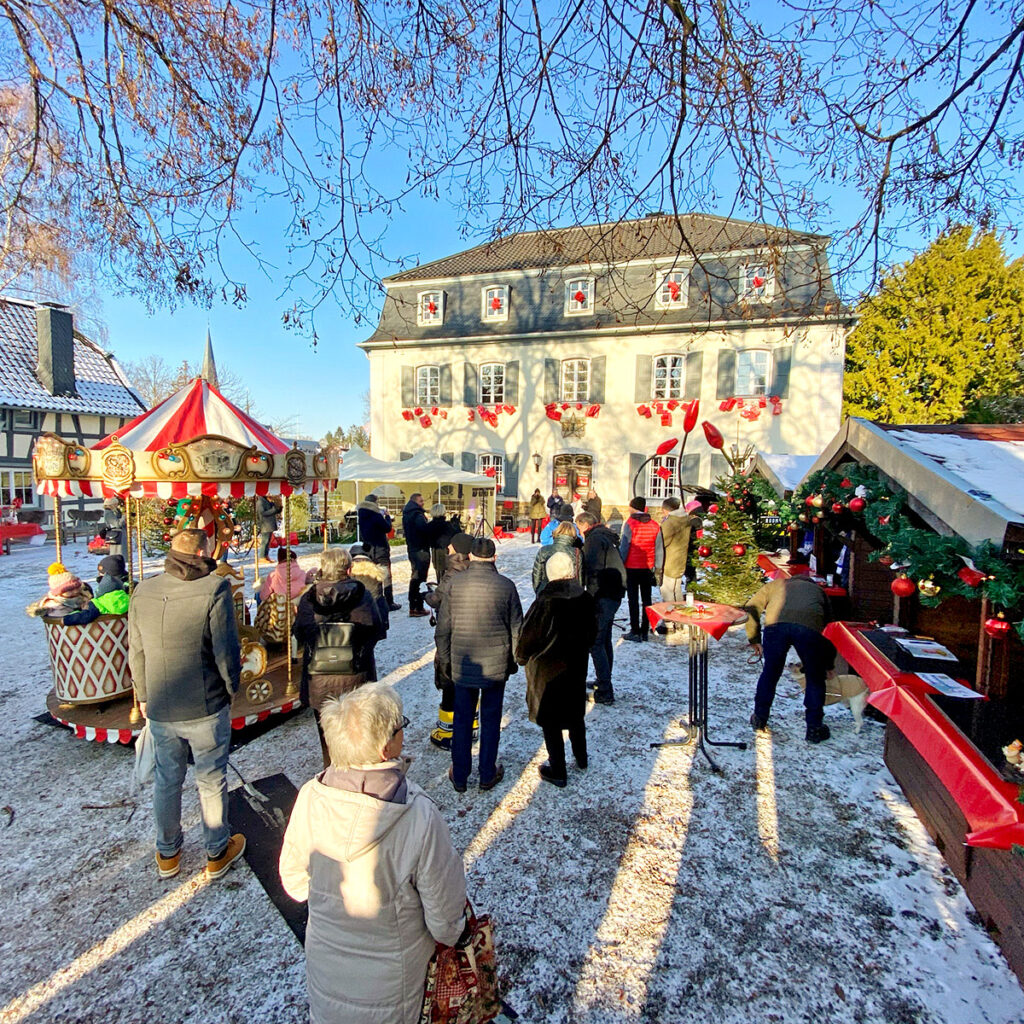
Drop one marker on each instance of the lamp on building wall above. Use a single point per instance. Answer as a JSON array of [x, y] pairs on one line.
[[536, 461]]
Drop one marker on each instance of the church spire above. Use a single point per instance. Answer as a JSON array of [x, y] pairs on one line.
[[209, 373]]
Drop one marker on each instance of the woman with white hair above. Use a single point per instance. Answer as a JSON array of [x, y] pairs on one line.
[[554, 645], [372, 855]]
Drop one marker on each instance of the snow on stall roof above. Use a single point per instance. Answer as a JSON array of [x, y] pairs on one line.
[[790, 469], [991, 468]]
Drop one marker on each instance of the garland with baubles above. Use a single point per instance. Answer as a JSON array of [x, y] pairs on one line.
[[855, 497]]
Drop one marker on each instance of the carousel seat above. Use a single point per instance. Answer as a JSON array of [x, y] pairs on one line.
[[271, 621], [90, 662]]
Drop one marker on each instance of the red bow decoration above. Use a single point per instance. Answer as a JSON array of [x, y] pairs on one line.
[[666, 419], [580, 298], [495, 303], [673, 290], [407, 414], [593, 410], [663, 472], [758, 281], [692, 411], [481, 412], [509, 409], [666, 446], [552, 412], [424, 421], [972, 577], [490, 471], [565, 405], [713, 435], [431, 307]]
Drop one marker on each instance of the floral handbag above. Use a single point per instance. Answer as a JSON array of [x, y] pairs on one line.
[[462, 980]]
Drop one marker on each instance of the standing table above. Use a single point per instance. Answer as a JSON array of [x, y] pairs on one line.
[[703, 620]]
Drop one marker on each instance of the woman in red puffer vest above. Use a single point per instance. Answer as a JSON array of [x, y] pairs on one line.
[[639, 537]]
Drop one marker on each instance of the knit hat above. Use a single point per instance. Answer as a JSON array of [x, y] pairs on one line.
[[638, 504], [62, 582], [692, 506], [559, 566], [483, 547], [564, 513], [462, 542], [357, 551], [112, 565]]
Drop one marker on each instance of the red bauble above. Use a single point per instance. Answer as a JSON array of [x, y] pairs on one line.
[[167, 537], [725, 526], [903, 586], [857, 505], [884, 520], [730, 499], [846, 482], [712, 509], [793, 527], [168, 521], [739, 550], [997, 628], [838, 508], [809, 500], [815, 519], [703, 551]]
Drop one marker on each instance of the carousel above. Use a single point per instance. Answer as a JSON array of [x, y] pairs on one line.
[[197, 454]]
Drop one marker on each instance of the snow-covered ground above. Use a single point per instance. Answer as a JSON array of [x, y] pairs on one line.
[[798, 886]]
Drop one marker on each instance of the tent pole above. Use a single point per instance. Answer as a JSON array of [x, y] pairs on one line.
[[359, 536], [290, 688], [255, 544]]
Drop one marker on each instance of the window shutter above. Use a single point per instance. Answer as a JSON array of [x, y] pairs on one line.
[[783, 363], [448, 457], [691, 470], [726, 373], [597, 377], [644, 370], [445, 393], [468, 462], [402, 456], [636, 460], [511, 486], [471, 385], [550, 381], [719, 467], [512, 382], [408, 386], [694, 372]]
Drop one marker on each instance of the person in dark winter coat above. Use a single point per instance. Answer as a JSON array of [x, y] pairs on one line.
[[555, 502], [372, 577], [442, 530], [593, 505], [637, 548], [457, 561], [185, 661], [111, 575], [604, 576], [266, 516], [564, 539], [336, 621], [113, 521], [418, 540], [563, 514], [478, 626], [374, 527], [554, 645]]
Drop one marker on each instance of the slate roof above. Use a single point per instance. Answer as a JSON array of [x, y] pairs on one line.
[[619, 242], [102, 387]]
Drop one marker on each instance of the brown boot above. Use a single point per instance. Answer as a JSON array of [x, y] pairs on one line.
[[168, 866], [217, 866]]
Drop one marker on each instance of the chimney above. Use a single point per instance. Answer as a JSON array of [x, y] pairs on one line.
[[56, 348]]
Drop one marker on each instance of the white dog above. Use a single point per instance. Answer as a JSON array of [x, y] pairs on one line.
[[848, 688]]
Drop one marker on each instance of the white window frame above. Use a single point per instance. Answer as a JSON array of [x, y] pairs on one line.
[[663, 297], [750, 293], [424, 318], [658, 489], [563, 382], [744, 392], [23, 419], [485, 460], [428, 391], [486, 294], [579, 284], [497, 389], [667, 396], [8, 490]]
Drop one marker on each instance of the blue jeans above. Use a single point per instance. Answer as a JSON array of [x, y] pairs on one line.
[[209, 739], [603, 651], [491, 699], [815, 653]]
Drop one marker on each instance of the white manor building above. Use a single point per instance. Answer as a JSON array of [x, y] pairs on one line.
[[561, 359]]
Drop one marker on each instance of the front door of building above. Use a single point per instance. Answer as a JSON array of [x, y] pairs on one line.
[[573, 476]]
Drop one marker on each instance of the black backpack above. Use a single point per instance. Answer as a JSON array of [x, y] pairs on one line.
[[332, 652]]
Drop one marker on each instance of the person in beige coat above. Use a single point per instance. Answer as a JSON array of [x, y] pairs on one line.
[[371, 853]]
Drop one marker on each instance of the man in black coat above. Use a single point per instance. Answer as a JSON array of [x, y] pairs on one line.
[[419, 538], [604, 576], [186, 664], [478, 627], [266, 515], [374, 527]]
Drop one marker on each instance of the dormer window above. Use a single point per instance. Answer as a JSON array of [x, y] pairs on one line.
[[671, 293], [430, 309], [579, 296], [495, 302], [757, 282]]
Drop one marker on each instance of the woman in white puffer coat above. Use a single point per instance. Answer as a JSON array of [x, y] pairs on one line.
[[372, 854]]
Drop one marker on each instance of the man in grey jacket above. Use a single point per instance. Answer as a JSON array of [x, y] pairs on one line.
[[477, 632], [185, 660]]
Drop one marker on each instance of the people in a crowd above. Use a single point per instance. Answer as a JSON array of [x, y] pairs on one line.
[[554, 645], [458, 560], [111, 574], [287, 579], [795, 610], [566, 540], [374, 534], [605, 580], [372, 577], [442, 528], [185, 661], [65, 594], [371, 853], [113, 521], [674, 549], [478, 625], [109, 601], [267, 520], [593, 505], [537, 512], [555, 502], [637, 548], [337, 625], [564, 514], [418, 538]]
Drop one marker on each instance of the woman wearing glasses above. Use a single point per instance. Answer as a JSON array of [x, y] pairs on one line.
[[372, 855]]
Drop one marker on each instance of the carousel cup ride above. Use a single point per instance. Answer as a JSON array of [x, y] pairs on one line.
[[168, 454]]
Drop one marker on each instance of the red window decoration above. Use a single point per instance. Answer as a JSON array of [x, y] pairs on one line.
[[666, 419], [431, 307], [580, 297], [490, 471], [496, 303], [673, 289], [758, 281], [406, 415], [664, 472]]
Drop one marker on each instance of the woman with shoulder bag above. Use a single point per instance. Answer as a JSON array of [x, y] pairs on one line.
[[338, 624]]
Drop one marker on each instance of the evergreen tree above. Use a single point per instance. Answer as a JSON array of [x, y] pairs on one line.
[[941, 340]]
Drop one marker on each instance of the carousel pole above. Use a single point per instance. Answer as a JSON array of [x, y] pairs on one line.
[[128, 546], [138, 531], [327, 496], [290, 688], [56, 524], [255, 545]]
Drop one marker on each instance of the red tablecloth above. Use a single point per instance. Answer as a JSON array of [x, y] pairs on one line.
[[989, 803], [718, 619], [766, 565], [19, 531]]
